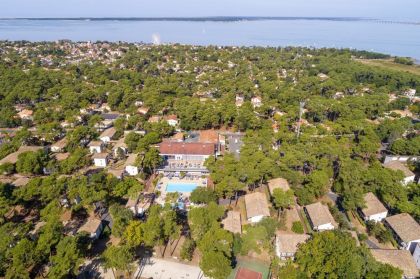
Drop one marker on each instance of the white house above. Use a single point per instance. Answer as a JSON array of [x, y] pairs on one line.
[[374, 210], [95, 147], [320, 217], [405, 229], [256, 206], [416, 255], [256, 101], [130, 166], [120, 146], [399, 166], [100, 160], [140, 204], [172, 120], [93, 227], [287, 244], [59, 145], [107, 135], [239, 100]]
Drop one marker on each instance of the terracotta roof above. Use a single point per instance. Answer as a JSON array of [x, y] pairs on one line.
[[232, 222], [319, 214], [108, 133], [278, 183], [154, 119], [13, 157], [401, 259], [288, 242], [373, 205], [396, 165], [192, 148], [404, 226], [171, 117], [256, 204], [116, 172], [209, 136]]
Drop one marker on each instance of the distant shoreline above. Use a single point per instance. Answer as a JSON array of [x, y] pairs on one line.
[[213, 19]]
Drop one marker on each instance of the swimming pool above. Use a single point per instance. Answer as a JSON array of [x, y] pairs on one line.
[[180, 187]]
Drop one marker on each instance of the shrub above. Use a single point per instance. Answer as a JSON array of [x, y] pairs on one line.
[[297, 227]]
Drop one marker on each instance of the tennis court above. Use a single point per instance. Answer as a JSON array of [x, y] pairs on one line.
[[249, 270]]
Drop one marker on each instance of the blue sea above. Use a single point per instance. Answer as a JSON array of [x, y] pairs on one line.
[[395, 38]]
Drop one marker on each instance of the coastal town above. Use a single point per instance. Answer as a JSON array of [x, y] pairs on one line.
[[123, 160]]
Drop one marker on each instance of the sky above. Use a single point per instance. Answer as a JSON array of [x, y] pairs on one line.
[[387, 9]]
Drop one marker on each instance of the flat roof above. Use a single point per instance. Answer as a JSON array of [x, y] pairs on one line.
[[401, 259], [404, 226], [319, 214], [256, 204], [373, 205]]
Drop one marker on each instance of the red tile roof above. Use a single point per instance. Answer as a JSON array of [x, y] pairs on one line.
[[193, 148]]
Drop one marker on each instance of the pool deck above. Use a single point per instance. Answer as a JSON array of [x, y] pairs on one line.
[[163, 183]]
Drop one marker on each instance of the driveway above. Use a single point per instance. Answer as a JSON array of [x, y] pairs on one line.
[[164, 269], [234, 143]]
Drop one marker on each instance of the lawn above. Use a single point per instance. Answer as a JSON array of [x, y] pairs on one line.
[[255, 266], [390, 64]]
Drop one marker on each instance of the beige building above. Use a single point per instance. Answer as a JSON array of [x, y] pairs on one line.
[[401, 259], [232, 222], [374, 210], [406, 230], [256, 207], [320, 217], [287, 244]]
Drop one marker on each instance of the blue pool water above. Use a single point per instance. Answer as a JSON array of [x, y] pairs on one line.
[[180, 187]]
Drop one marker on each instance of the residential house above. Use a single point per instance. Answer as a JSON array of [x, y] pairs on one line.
[[61, 156], [400, 158], [256, 101], [278, 183], [59, 146], [405, 229], [416, 255], [107, 135], [143, 110], [401, 259], [118, 173], [26, 114], [323, 76], [410, 93], [172, 120], [232, 222], [100, 160], [320, 217], [140, 204], [120, 147], [287, 244], [154, 119], [185, 156], [239, 100], [13, 157], [374, 210], [130, 165], [96, 147], [93, 227], [399, 166], [256, 206], [21, 181]]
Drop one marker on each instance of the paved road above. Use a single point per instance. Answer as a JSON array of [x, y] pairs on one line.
[[234, 143], [164, 269]]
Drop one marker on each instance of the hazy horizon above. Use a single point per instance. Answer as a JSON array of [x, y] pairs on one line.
[[378, 9]]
